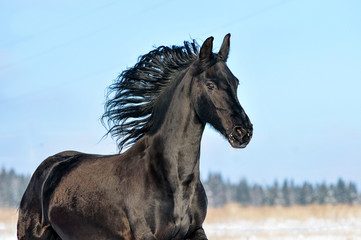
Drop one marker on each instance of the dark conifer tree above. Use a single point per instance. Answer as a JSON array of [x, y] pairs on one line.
[[243, 193]]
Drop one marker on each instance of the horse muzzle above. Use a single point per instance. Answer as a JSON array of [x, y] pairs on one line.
[[240, 136]]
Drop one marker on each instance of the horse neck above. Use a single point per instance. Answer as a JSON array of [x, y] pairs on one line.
[[180, 135]]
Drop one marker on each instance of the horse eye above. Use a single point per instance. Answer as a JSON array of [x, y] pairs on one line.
[[210, 85]]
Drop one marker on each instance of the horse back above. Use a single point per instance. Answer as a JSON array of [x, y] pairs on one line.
[[31, 210], [34, 190]]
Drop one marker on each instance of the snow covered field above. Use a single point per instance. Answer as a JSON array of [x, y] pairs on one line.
[[313, 229], [234, 222], [8, 219], [309, 222]]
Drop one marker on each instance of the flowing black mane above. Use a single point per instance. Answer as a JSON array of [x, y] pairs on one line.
[[132, 97]]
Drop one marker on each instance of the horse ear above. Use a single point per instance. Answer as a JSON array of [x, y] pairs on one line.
[[206, 49], [223, 52]]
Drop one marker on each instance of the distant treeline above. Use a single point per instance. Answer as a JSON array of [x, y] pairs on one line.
[[220, 192], [12, 187], [287, 193]]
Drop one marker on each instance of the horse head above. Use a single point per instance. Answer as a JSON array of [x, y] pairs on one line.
[[215, 95]]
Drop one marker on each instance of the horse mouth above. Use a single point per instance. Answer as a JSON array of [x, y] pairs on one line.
[[239, 137]]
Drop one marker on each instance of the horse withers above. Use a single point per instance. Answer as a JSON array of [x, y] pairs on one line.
[[153, 190]]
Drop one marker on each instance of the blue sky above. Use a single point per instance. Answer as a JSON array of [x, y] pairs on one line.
[[298, 62]]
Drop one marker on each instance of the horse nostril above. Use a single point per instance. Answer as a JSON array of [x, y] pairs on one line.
[[239, 131], [244, 134]]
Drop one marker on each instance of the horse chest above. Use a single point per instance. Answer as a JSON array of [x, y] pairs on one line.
[[178, 226], [182, 216], [169, 217], [184, 213]]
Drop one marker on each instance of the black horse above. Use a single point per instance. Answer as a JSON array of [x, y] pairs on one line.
[[153, 189]]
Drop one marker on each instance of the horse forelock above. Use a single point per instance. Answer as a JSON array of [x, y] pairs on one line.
[[132, 97]]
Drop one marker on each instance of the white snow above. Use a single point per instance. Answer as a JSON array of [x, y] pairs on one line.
[[311, 229], [7, 232]]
